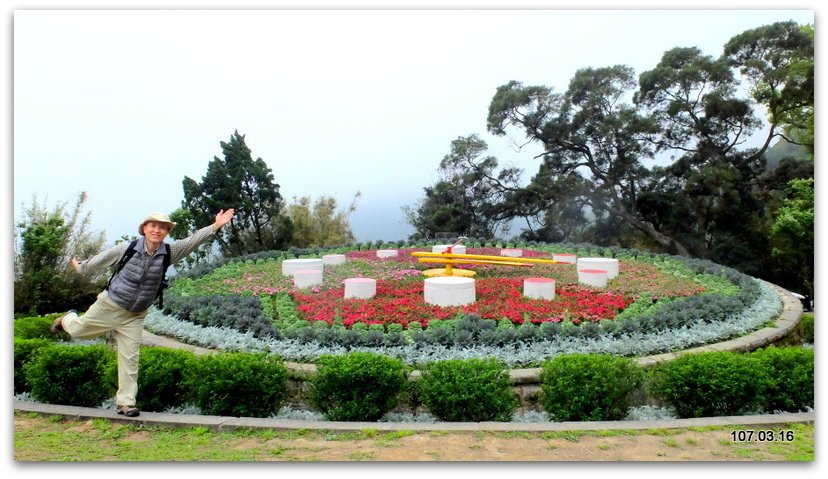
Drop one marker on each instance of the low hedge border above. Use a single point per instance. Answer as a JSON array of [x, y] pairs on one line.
[[364, 386]]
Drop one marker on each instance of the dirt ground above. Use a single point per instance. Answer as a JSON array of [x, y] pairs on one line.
[[685, 446], [655, 445]]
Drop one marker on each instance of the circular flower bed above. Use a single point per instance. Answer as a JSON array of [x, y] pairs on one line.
[[657, 303]]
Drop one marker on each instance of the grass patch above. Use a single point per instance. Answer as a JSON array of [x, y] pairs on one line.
[[663, 432], [391, 439], [44, 438], [362, 456], [706, 428], [571, 436], [515, 434], [672, 442], [616, 432], [360, 435]]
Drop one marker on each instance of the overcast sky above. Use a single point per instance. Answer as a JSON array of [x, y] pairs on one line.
[[125, 104]]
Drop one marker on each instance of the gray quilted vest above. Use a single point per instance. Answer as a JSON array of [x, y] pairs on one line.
[[134, 288]]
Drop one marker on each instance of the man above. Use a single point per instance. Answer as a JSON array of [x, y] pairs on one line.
[[122, 306]]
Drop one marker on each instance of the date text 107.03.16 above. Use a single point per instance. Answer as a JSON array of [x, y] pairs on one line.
[[770, 435]]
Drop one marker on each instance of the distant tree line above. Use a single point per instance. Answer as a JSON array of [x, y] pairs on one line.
[[656, 161]]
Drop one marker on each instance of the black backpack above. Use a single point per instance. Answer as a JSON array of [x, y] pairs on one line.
[[126, 257]]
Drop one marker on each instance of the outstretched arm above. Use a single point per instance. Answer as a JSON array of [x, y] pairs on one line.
[[100, 261], [184, 247], [222, 218]]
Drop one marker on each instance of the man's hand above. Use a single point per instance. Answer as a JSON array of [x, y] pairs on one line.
[[222, 218], [74, 263]]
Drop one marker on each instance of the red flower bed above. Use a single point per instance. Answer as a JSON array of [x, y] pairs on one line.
[[499, 289], [400, 301]]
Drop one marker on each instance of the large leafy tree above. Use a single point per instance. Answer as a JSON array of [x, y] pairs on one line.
[[703, 123], [792, 233], [320, 223], [778, 63], [468, 198], [594, 156], [46, 240], [601, 151], [719, 186], [440, 211], [237, 181]]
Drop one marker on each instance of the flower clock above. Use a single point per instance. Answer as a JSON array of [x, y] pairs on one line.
[[499, 290], [655, 303]]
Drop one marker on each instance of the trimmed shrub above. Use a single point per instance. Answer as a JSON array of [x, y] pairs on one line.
[[468, 390], [162, 378], [72, 375], [25, 350], [357, 386], [36, 327], [589, 387], [710, 384], [238, 384], [808, 328], [791, 373]]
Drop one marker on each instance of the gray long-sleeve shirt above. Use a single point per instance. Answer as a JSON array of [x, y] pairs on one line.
[[179, 250]]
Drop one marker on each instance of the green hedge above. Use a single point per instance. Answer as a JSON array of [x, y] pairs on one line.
[[808, 328], [589, 387], [364, 386], [73, 375], [357, 386], [468, 390], [162, 378], [25, 350], [791, 371], [238, 384], [36, 327], [711, 384]]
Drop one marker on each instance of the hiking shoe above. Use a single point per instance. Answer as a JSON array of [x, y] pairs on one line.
[[128, 411], [57, 324]]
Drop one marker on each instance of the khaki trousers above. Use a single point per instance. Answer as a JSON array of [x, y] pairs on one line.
[[105, 316]]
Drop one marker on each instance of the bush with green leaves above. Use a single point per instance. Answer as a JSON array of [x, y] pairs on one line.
[[72, 375], [468, 390], [589, 387], [791, 371], [357, 386], [238, 384], [36, 327], [808, 328], [162, 378], [709, 384], [25, 350]]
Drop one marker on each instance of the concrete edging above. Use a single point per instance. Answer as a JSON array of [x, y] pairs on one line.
[[230, 423]]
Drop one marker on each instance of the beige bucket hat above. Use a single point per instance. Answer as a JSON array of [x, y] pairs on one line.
[[159, 217]]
